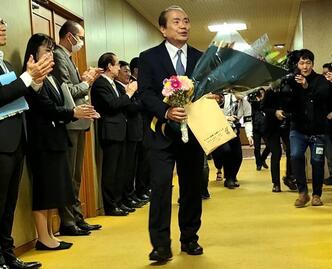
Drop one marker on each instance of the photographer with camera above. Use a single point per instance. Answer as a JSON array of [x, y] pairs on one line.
[[310, 97], [256, 99], [277, 126]]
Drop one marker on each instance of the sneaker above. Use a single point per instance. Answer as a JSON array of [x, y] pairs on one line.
[[316, 201], [303, 199]]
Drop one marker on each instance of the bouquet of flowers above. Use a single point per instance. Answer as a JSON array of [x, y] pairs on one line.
[[178, 92], [242, 67]]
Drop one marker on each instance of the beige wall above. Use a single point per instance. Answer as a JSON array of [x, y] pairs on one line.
[[316, 22], [111, 25]]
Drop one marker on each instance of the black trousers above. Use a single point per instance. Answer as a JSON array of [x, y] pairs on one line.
[[113, 174], [260, 157], [142, 179], [273, 141], [11, 166], [230, 156], [189, 160], [130, 170]]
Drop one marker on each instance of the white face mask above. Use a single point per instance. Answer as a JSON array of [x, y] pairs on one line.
[[79, 44]]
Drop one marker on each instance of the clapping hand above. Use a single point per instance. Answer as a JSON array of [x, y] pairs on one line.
[[39, 70], [131, 88], [85, 112], [90, 75]]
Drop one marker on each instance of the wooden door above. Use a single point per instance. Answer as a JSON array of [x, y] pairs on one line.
[[46, 20], [42, 21]]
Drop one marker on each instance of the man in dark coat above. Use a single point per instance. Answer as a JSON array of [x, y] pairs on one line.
[[171, 57]]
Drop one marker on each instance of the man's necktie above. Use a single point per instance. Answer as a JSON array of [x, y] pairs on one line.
[[2, 64], [115, 89], [179, 66]]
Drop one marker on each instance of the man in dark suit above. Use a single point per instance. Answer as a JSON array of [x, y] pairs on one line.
[[171, 57], [134, 135], [142, 176], [12, 145], [111, 104], [71, 41]]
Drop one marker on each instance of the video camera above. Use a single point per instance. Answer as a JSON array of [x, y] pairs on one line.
[[252, 97]]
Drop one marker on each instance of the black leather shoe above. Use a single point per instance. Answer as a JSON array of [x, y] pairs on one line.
[[258, 168], [73, 231], [160, 254], [19, 264], [63, 245], [88, 227], [265, 165], [229, 183], [128, 209], [276, 188], [117, 211], [205, 195], [143, 197], [132, 204], [192, 248], [237, 184], [290, 183]]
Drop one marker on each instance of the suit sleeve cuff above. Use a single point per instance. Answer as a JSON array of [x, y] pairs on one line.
[[27, 79]]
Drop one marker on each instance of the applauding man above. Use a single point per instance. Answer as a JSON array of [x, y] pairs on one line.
[[71, 41]]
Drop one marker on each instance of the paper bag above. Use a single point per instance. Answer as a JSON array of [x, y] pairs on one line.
[[208, 123]]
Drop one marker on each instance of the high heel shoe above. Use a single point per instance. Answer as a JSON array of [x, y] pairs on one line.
[[63, 245]]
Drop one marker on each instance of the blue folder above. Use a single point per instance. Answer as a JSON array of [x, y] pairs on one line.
[[16, 106]]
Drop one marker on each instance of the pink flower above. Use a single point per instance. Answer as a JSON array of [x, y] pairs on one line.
[[176, 84]]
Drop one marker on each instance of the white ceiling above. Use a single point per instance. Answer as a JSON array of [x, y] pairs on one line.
[[277, 18]]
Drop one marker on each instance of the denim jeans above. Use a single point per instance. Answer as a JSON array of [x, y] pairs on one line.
[[299, 143]]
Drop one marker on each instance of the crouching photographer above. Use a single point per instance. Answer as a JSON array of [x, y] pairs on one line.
[[256, 99], [309, 110]]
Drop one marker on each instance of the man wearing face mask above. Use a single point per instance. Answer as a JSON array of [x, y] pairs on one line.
[[71, 40]]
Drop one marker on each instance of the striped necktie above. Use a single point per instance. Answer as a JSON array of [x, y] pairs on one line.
[[2, 64]]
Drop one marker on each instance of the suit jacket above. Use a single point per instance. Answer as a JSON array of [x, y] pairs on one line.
[[154, 66], [133, 115], [47, 119], [66, 72], [11, 128], [112, 125]]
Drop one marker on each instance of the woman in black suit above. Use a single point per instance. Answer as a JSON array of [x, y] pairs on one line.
[[48, 143]]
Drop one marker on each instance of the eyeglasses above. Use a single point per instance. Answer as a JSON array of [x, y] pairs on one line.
[[3, 22], [80, 37]]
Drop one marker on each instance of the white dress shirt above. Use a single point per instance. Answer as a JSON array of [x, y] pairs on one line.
[[172, 51]]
